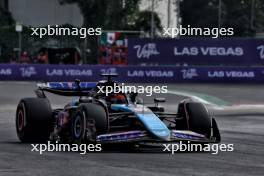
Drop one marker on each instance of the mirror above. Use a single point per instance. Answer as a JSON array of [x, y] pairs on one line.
[[159, 100]]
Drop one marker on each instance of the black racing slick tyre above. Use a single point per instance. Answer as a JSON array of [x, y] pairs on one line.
[[33, 120], [89, 121], [199, 120], [195, 118]]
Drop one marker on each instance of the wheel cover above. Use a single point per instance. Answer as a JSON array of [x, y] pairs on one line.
[[20, 120], [77, 126]]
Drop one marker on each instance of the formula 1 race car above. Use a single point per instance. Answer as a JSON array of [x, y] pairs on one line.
[[115, 118]]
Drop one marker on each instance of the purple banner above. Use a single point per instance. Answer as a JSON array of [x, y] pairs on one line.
[[35, 72], [196, 51]]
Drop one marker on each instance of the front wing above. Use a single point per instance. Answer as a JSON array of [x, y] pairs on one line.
[[144, 136]]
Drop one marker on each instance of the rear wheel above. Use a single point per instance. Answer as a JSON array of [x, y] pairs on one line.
[[33, 120], [89, 121]]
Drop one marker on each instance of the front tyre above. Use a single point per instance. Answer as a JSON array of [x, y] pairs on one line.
[[195, 118]]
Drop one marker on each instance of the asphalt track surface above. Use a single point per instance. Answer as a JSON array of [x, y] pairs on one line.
[[241, 123]]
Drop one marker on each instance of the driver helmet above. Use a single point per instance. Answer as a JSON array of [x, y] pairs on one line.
[[116, 99]]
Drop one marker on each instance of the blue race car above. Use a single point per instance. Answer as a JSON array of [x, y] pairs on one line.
[[114, 118]]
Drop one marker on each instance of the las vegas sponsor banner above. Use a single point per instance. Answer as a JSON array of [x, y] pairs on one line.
[[45, 72], [230, 74], [196, 51], [195, 74], [39, 72]]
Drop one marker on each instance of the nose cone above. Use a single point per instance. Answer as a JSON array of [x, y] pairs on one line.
[[163, 134], [155, 126]]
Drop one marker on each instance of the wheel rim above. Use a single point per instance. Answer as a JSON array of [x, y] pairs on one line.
[[20, 120], [77, 126]]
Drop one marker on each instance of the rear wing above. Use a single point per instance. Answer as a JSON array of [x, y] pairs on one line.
[[67, 88]]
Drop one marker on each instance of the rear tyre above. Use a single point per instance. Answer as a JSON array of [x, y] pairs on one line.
[[33, 120], [89, 121], [79, 126]]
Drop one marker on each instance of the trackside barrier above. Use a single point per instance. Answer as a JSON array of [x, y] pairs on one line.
[[159, 74]]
